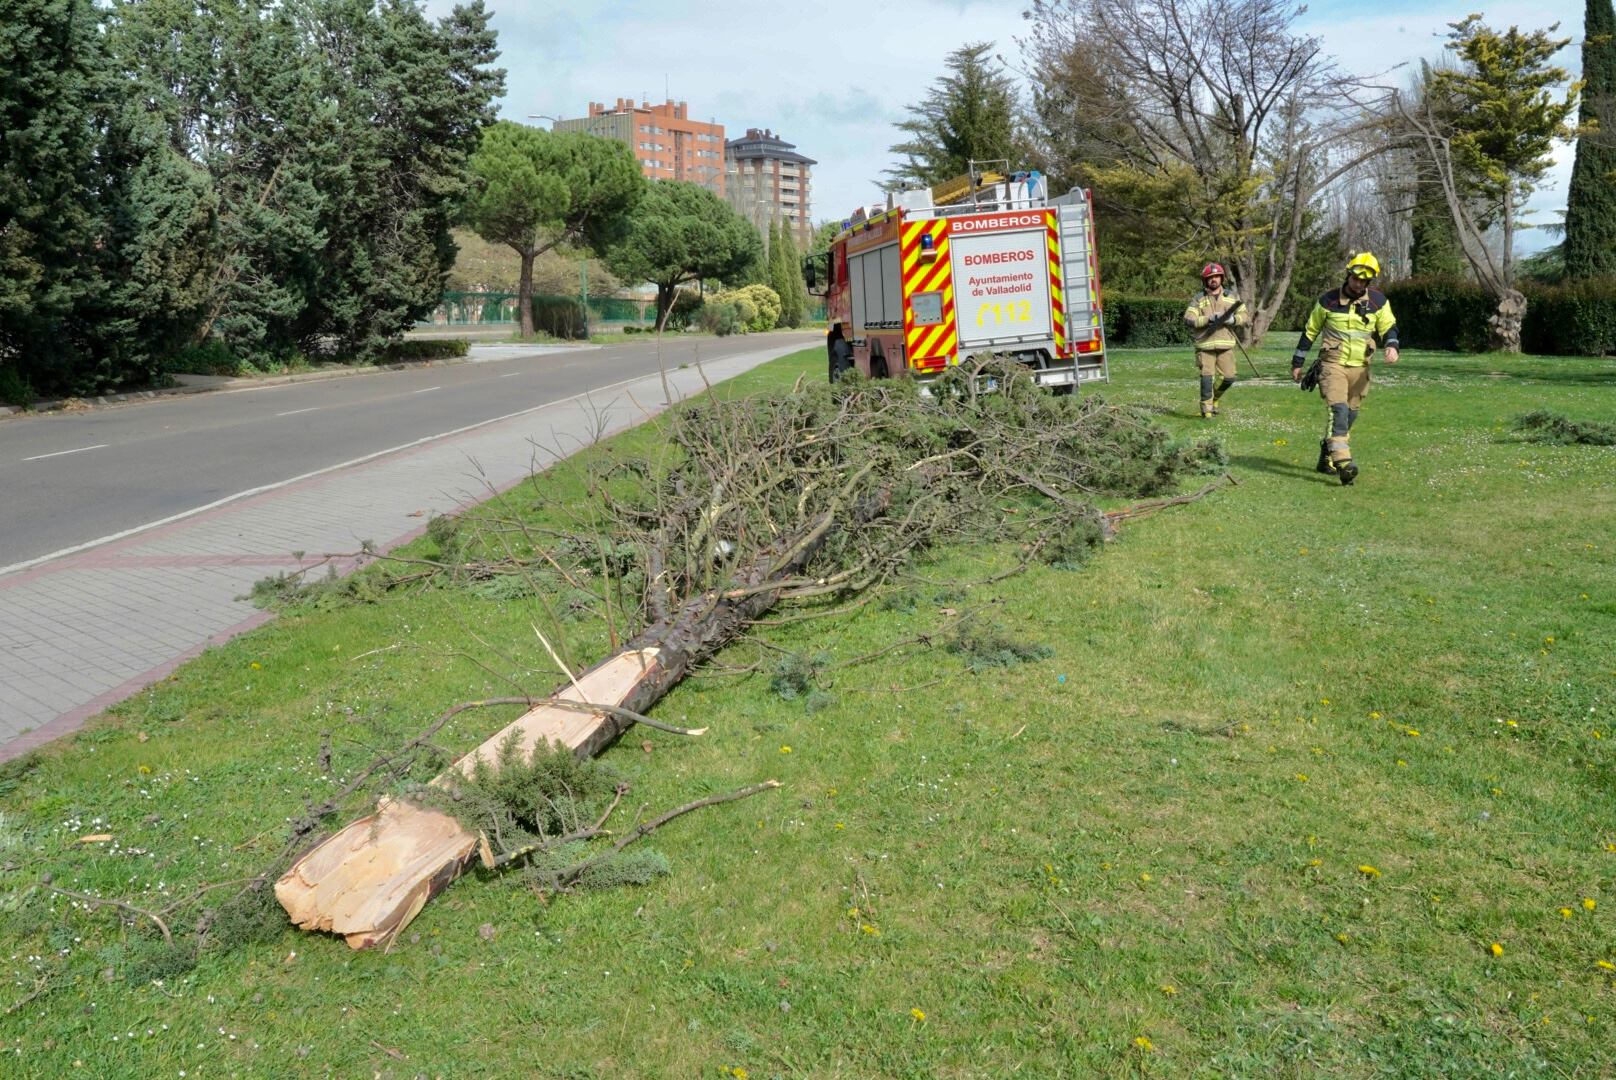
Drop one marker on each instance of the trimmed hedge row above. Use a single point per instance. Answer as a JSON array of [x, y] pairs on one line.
[[558, 316], [425, 349], [1577, 319], [1145, 322]]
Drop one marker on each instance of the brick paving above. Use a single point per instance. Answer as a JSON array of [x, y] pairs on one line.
[[82, 632]]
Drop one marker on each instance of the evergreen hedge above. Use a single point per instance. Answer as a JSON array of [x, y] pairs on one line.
[[1145, 322], [1576, 319]]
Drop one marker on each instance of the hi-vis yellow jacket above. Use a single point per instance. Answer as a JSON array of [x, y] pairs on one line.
[[1347, 329], [1203, 309]]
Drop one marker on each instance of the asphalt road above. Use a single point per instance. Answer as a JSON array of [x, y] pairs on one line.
[[69, 479]]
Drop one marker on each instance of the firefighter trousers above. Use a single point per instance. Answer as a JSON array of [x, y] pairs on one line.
[[1343, 390]]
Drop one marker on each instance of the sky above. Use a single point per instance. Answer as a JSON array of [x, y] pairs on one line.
[[834, 76]]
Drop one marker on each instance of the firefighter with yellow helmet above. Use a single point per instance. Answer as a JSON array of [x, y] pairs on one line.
[[1348, 324], [1212, 318]]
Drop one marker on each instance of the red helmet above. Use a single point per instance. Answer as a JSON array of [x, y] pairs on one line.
[[1211, 269]]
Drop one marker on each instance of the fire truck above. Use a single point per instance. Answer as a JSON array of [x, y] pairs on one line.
[[984, 264]]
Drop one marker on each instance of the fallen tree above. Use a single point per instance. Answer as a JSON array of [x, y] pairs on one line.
[[818, 498]]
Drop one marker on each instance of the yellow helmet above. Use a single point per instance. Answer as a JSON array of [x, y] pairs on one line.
[[1363, 265]]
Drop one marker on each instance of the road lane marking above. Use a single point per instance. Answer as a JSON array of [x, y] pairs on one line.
[[59, 453], [768, 353], [260, 490], [512, 374], [294, 412], [428, 390]]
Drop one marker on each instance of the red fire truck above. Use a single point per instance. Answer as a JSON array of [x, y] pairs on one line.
[[985, 264]]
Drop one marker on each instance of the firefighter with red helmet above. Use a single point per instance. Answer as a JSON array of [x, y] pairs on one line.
[[1212, 318]]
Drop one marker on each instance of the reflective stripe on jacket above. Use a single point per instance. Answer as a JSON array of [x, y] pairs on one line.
[[1203, 309], [1347, 329]]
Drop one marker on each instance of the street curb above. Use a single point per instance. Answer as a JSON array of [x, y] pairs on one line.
[[130, 397]]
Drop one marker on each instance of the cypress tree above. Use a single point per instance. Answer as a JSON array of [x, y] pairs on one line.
[[780, 276], [1590, 223], [797, 304], [55, 72]]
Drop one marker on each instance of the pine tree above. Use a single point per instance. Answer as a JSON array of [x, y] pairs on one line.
[[968, 115], [1590, 223]]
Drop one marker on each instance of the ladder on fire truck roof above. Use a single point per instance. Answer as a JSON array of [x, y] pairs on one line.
[[987, 186]]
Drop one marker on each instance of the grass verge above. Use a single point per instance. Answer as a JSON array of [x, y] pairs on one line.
[[1299, 757]]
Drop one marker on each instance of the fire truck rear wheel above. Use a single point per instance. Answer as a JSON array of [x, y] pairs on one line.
[[878, 367], [1065, 389], [841, 359]]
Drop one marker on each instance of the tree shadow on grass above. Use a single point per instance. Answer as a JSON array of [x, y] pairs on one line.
[[1280, 468]]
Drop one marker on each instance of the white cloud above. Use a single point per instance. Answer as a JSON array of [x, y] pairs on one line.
[[834, 77]]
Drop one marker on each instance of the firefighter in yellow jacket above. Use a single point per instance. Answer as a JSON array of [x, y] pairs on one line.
[[1348, 323], [1212, 317]]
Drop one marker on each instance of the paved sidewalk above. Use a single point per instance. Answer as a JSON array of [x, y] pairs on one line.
[[82, 632]]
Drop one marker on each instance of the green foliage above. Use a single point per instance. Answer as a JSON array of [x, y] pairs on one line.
[[1553, 429], [681, 232], [1574, 319], [759, 306], [986, 645], [725, 316], [633, 866], [785, 276], [226, 170], [14, 388], [559, 316], [796, 677], [1590, 221], [1145, 322], [686, 307], [1501, 117], [414, 349], [968, 114], [536, 189], [211, 357]]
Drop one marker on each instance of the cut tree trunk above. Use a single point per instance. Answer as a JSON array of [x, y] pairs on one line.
[[1504, 324], [371, 879]]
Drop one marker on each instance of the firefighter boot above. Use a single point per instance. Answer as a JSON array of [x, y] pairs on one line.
[[1324, 465], [1208, 405], [1347, 471], [1218, 391]]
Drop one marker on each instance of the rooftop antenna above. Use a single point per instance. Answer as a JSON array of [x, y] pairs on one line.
[[667, 91]]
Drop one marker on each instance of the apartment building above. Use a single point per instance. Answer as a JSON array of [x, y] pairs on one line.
[[767, 180], [668, 144]]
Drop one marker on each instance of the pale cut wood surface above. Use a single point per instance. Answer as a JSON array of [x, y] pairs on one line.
[[369, 880]]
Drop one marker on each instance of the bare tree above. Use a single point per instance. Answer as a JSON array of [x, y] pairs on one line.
[[1219, 117]]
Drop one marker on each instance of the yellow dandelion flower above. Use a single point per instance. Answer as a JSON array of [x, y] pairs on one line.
[[1342, 938], [1610, 848], [256, 666], [785, 749], [839, 825], [143, 770], [1368, 871], [868, 929], [1401, 763], [1145, 878], [1511, 723], [739, 1073], [1324, 701], [1597, 735], [1606, 964], [918, 1014], [1374, 716], [1565, 913], [830, 791], [1144, 1043], [1549, 640], [1315, 862], [1496, 949], [1498, 791], [1589, 903], [1302, 551], [1301, 778], [852, 912], [1168, 988], [1412, 732], [1282, 442]]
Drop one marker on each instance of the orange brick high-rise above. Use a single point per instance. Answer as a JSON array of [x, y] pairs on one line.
[[668, 144]]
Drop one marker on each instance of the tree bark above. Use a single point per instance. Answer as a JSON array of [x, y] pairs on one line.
[[1504, 325], [665, 296], [524, 289]]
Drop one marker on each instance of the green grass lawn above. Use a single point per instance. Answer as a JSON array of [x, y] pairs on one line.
[[1318, 781]]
